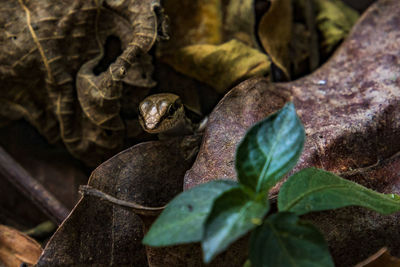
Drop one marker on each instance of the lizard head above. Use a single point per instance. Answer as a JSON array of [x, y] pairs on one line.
[[161, 112]]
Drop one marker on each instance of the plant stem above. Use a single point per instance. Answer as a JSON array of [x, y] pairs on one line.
[[31, 188]]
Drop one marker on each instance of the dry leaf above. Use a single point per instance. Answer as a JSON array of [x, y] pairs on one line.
[[214, 42], [108, 233], [240, 22], [350, 108], [46, 45], [334, 20], [300, 50], [17, 248], [220, 66], [193, 22], [382, 258], [274, 32]]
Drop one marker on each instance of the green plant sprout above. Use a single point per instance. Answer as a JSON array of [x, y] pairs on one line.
[[220, 212]]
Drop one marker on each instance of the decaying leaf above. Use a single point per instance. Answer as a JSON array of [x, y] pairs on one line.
[[46, 43], [334, 21], [17, 248], [299, 50], [193, 22], [220, 66], [274, 32], [350, 109], [382, 258], [102, 228], [240, 22], [318, 27], [294, 50], [208, 40]]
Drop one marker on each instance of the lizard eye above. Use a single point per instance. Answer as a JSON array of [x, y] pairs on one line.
[[173, 108]]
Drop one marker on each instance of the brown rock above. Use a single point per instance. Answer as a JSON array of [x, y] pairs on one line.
[[351, 112]]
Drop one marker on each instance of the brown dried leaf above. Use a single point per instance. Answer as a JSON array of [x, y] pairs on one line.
[[350, 108], [382, 258], [193, 22], [102, 232], [17, 248], [275, 33], [240, 22], [42, 51], [214, 42], [220, 66]]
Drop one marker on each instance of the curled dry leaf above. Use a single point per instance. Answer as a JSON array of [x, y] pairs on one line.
[[274, 32], [17, 248], [351, 111], [192, 22], [103, 228], [240, 22], [220, 65], [45, 47], [212, 37]]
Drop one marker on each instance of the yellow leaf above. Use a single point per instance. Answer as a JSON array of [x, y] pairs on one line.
[[220, 66], [193, 22], [275, 33], [334, 20], [240, 22]]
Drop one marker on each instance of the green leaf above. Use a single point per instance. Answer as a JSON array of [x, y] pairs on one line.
[[270, 149], [284, 240], [314, 190], [183, 219], [234, 213]]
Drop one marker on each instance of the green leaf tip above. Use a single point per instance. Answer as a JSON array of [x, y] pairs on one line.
[[315, 190], [270, 149]]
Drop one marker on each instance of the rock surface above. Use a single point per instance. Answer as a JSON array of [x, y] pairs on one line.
[[350, 108]]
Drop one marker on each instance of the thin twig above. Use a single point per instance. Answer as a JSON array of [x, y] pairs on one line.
[[31, 188], [139, 209]]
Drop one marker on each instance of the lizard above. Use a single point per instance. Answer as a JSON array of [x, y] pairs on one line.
[[164, 114]]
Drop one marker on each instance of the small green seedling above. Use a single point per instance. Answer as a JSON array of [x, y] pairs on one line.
[[220, 212]]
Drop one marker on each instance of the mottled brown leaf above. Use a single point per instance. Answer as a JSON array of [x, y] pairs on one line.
[[104, 230], [350, 108], [17, 248], [44, 45]]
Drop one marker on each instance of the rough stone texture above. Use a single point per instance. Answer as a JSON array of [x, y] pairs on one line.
[[351, 113]]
